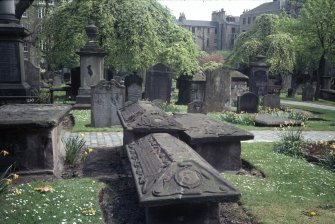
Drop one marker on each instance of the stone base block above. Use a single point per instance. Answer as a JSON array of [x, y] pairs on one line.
[[223, 156], [183, 213]]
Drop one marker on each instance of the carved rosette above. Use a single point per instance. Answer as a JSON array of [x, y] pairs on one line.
[[164, 173]]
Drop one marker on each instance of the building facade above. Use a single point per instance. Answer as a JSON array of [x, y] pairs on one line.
[[217, 34], [31, 19]]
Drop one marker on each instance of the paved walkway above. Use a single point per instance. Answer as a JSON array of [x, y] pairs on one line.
[[113, 139], [307, 104]]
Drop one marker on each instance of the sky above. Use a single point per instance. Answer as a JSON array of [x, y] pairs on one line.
[[202, 9]]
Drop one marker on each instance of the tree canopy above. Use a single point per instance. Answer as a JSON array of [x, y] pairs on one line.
[[136, 34], [265, 38]]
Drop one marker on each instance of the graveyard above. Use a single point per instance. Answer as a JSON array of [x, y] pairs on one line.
[[150, 133]]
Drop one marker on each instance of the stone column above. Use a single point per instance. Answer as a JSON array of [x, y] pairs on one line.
[[12, 75], [91, 67]]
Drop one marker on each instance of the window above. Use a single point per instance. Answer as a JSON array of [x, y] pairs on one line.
[[208, 29], [193, 29], [41, 12], [233, 29], [207, 42], [42, 2], [244, 21], [215, 31], [42, 45], [25, 47], [198, 28], [25, 14], [249, 20]]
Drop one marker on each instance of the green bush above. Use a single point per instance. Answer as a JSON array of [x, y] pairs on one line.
[[291, 141], [5, 179], [235, 118], [73, 148]]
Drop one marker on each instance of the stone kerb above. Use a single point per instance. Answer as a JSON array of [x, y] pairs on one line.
[[171, 179], [106, 98]]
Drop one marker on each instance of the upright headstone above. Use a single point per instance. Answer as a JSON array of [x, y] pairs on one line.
[[195, 107], [57, 81], [308, 93], [12, 75], [91, 66], [107, 98], [258, 81], [217, 95], [32, 74], [271, 101], [191, 88], [133, 85], [158, 83], [247, 102], [239, 85]]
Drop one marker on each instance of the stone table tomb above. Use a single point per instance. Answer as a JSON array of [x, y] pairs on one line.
[[142, 118], [218, 143], [174, 184], [32, 133]]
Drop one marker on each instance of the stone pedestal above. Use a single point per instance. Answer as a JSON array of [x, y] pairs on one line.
[[32, 133], [91, 67], [12, 75]]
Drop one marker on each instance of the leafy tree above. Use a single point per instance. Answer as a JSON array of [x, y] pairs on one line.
[[135, 33], [265, 38], [317, 25]]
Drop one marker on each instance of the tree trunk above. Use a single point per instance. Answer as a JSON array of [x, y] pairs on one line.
[[321, 72]]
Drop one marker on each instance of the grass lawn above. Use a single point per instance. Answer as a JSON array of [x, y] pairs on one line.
[[72, 201], [83, 121], [292, 192]]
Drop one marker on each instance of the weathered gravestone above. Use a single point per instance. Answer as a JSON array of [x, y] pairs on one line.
[[133, 85], [174, 184], [142, 118], [217, 95], [32, 133], [57, 80], [33, 75], [239, 85], [258, 81], [218, 143], [75, 81], [247, 102], [191, 88], [158, 83], [308, 93], [195, 107], [107, 97], [12, 74], [271, 101]]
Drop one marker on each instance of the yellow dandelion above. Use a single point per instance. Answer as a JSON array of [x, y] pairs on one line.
[[312, 213], [90, 150], [85, 153], [81, 135], [8, 181], [15, 176], [4, 152], [18, 192]]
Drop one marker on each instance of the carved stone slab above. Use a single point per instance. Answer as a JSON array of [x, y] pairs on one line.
[[202, 129], [168, 171], [32, 115], [142, 116]]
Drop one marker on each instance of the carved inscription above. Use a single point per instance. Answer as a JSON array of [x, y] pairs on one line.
[[166, 169], [9, 62]]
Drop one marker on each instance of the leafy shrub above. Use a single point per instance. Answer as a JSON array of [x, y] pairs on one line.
[[73, 147], [235, 118], [291, 141], [43, 96], [7, 176]]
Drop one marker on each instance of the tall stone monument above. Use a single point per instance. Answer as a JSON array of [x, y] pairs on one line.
[[91, 66], [12, 75], [258, 79]]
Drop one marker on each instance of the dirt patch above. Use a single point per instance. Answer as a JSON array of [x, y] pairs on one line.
[[250, 170]]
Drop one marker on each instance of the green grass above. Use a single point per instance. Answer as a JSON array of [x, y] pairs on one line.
[[292, 188], [64, 205], [328, 116], [299, 98], [83, 121]]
